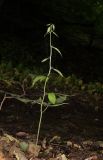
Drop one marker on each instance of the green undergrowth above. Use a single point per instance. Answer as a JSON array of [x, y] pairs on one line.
[[11, 75]]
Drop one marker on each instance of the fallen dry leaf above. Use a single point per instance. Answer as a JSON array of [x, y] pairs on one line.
[[44, 143], [92, 158], [11, 138], [76, 146], [33, 149], [63, 157], [49, 149], [55, 138], [2, 157], [15, 151], [100, 144], [53, 159], [69, 144], [22, 134], [73, 145], [87, 142]]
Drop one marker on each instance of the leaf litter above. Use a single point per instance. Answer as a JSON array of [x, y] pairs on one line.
[[54, 148]]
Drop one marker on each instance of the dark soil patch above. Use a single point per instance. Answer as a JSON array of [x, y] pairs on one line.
[[78, 126]]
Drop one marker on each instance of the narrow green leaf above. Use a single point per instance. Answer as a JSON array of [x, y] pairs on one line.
[[57, 50], [48, 24], [45, 59], [24, 100], [45, 34], [55, 34], [38, 78], [56, 70], [52, 27], [52, 98], [49, 29]]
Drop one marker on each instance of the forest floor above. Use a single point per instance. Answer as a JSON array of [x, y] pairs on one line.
[[70, 132]]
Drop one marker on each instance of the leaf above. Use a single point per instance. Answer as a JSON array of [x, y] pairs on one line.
[[55, 138], [38, 78], [15, 151], [56, 70], [55, 34], [2, 156], [52, 98], [33, 149], [60, 99], [94, 157], [11, 138], [24, 146], [24, 100], [63, 157], [51, 28], [57, 50], [45, 59], [48, 24], [48, 29], [22, 134]]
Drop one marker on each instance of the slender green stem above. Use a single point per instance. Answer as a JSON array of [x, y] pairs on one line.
[[44, 90]]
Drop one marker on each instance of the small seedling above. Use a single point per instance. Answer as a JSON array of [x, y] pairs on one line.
[[51, 95], [54, 99]]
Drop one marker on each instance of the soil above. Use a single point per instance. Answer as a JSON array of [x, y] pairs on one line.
[[70, 132]]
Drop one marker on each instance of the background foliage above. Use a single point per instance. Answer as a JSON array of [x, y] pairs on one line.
[[79, 25]]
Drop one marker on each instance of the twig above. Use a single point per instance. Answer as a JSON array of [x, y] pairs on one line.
[[45, 109], [2, 102], [23, 87]]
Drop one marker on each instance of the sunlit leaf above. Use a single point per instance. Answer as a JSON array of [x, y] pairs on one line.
[[56, 70], [45, 59], [57, 50], [38, 78], [52, 98]]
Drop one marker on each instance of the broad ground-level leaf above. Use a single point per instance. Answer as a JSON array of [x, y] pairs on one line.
[[24, 146], [52, 98]]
